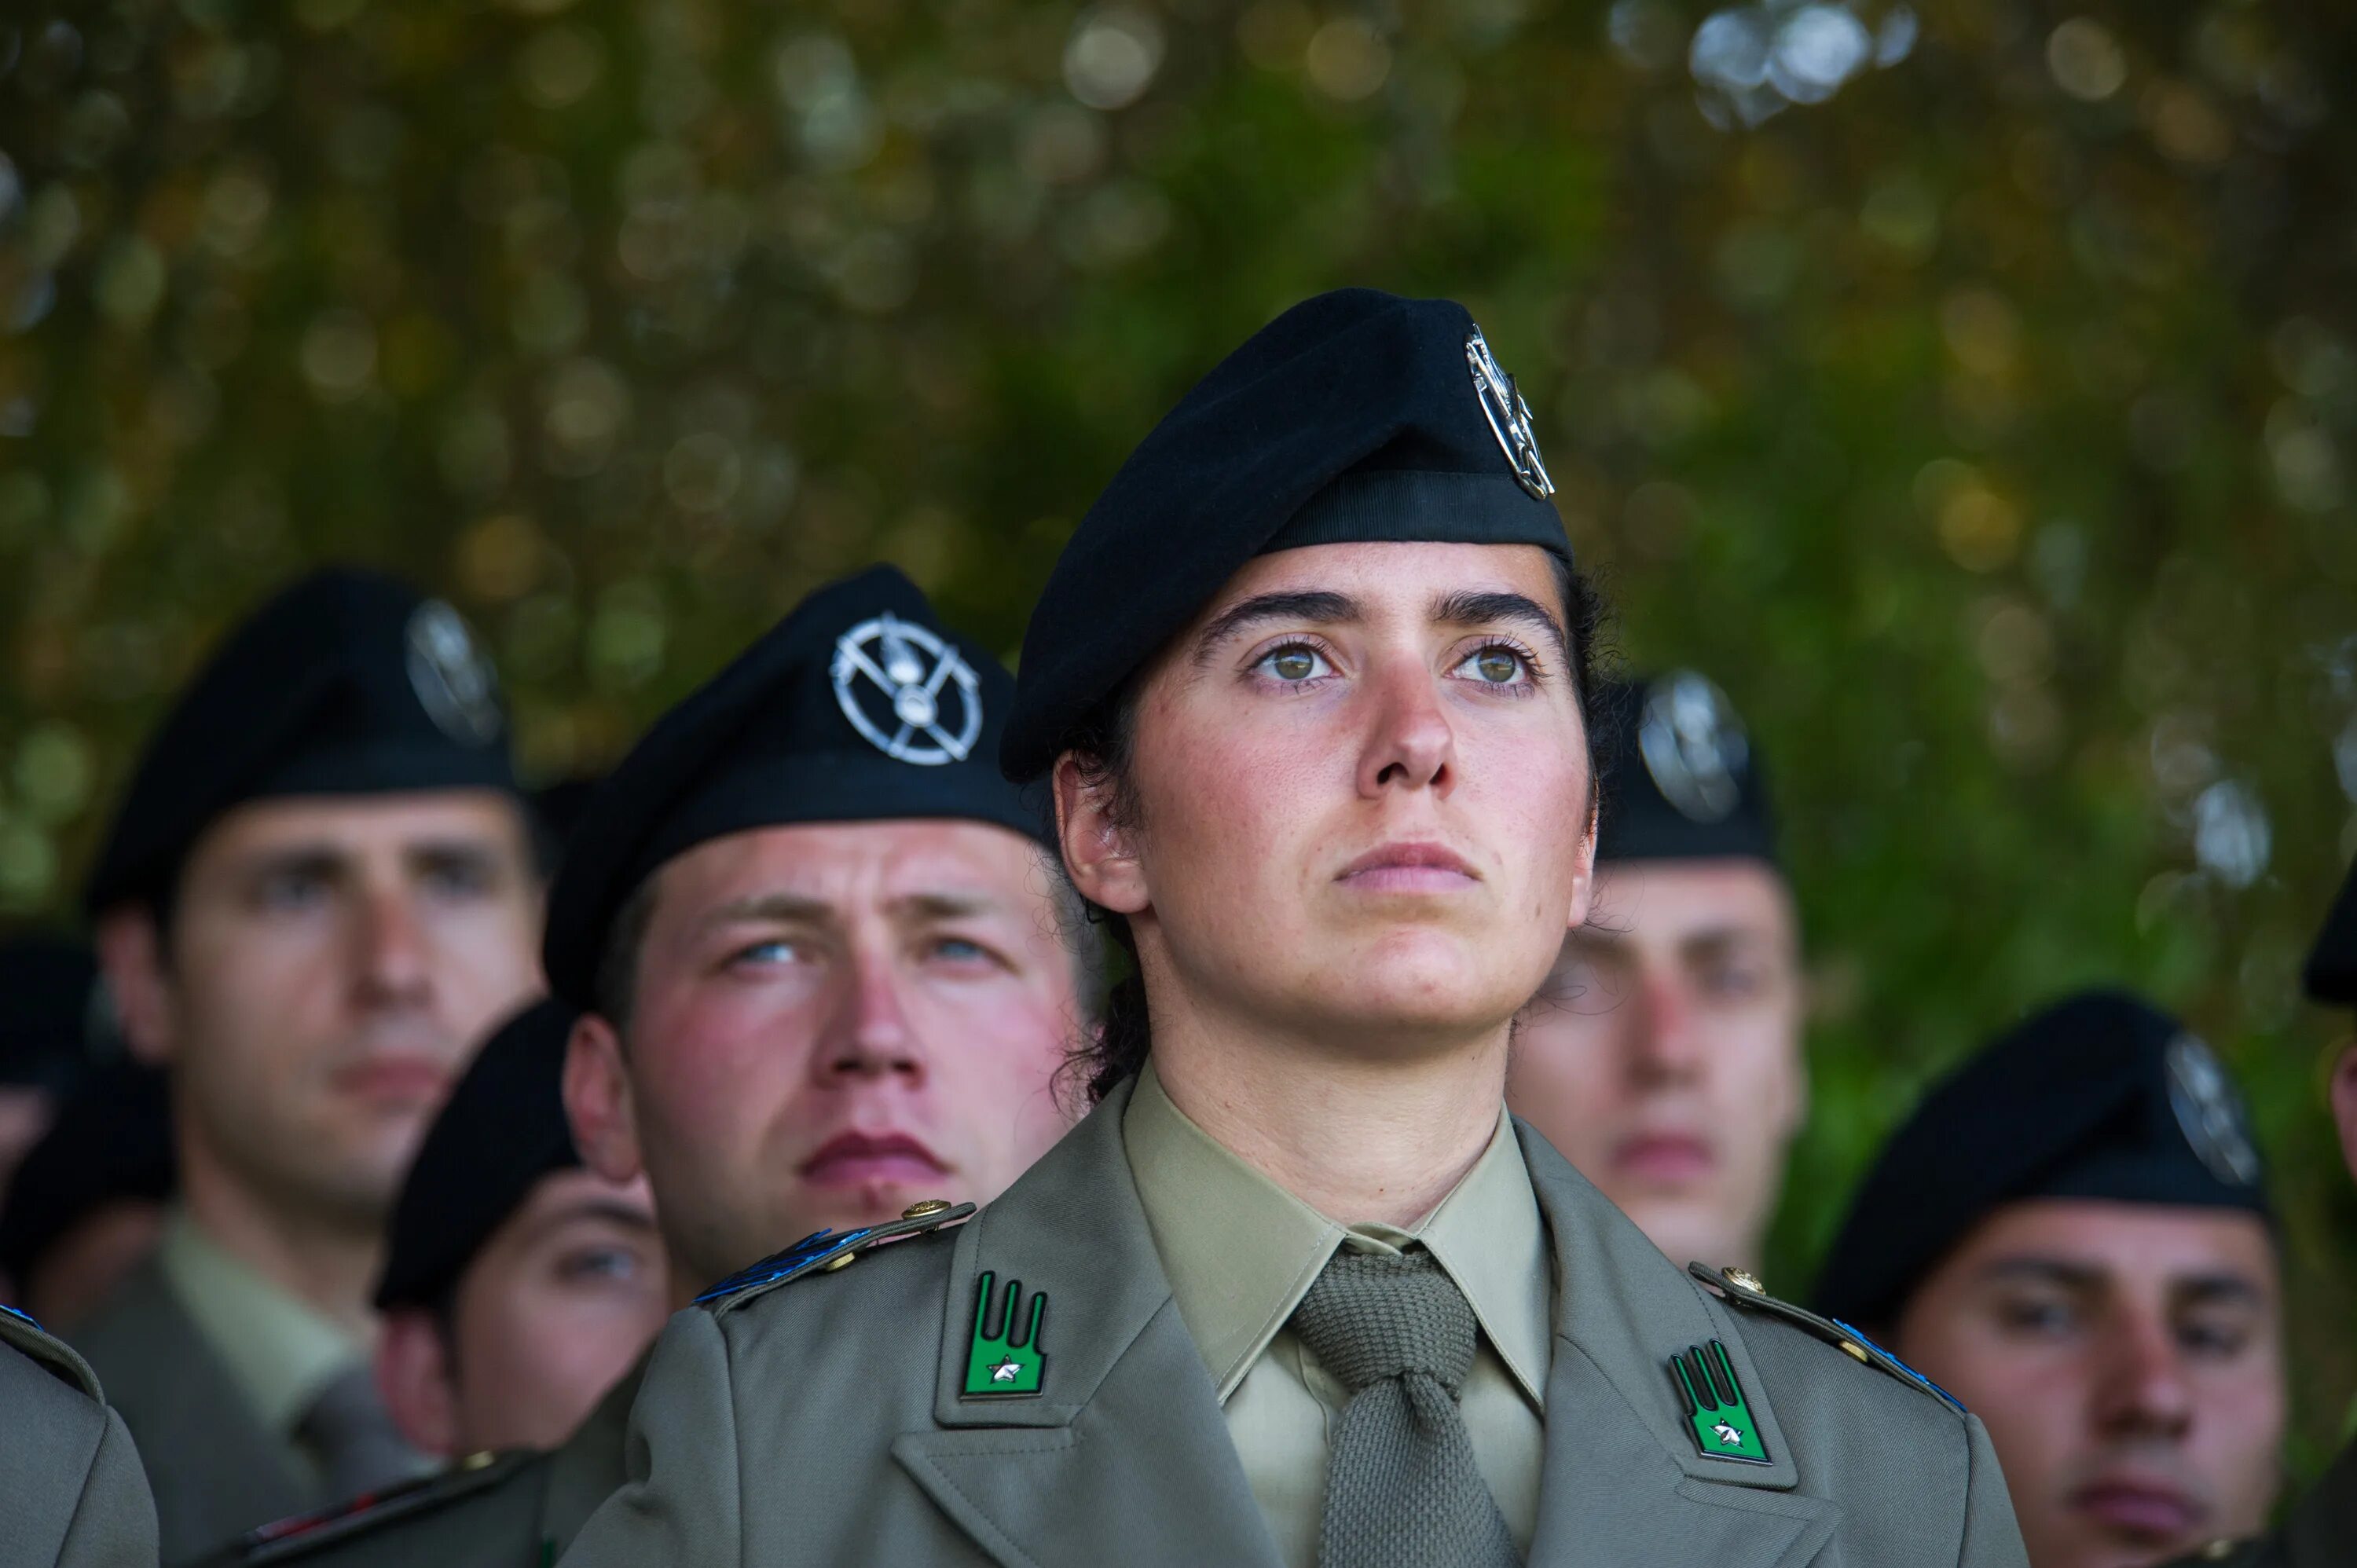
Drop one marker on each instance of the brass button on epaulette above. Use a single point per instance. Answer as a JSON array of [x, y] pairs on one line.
[[477, 1460], [842, 1260], [1853, 1347], [1747, 1280], [928, 1206]]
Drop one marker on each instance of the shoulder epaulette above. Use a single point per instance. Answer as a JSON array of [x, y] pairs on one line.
[[52, 1354], [1744, 1290], [827, 1250], [289, 1539]]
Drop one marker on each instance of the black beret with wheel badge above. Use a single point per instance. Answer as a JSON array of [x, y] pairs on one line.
[[502, 1130], [857, 706], [2099, 1096], [345, 683], [1681, 781], [1356, 415], [2332, 963]]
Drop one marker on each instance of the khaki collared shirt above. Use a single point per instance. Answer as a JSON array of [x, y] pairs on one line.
[[280, 1350], [1241, 1252]]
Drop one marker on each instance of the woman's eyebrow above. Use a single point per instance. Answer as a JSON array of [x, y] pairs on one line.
[[1316, 607], [1473, 608]]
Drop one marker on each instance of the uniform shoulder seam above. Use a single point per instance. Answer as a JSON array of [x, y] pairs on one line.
[[47, 1351], [291, 1539], [1742, 1290], [823, 1253]]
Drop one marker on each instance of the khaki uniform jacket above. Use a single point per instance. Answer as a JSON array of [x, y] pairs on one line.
[[215, 1468], [2320, 1530], [71, 1494], [823, 1421], [508, 1510]]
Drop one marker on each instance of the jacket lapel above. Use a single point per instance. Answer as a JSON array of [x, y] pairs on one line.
[[1625, 1482], [1123, 1456]]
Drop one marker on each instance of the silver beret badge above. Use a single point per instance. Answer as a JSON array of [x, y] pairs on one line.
[[454, 682], [1509, 416], [1693, 745], [901, 687], [2209, 1112]]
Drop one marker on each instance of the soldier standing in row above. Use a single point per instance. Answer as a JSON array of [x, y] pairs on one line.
[[1309, 684], [1663, 1057], [823, 981], [318, 894], [2071, 1234], [518, 1286]]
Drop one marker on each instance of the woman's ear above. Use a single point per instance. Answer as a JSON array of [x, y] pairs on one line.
[[1098, 850], [1583, 872]]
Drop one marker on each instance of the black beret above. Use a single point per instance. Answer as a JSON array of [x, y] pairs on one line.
[[2332, 965], [502, 1130], [48, 992], [1354, 415], [2101, 1095], [112, 1140], [345, 683], [858, 706], [1681, 781]]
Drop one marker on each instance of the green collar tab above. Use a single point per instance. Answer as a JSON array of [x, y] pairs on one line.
[[1723, 1427], [997, 1367]]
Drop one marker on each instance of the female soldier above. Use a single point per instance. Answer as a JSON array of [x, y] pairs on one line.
[[1309, 682]]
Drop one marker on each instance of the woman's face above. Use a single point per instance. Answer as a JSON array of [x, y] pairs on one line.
[[1363, 797]]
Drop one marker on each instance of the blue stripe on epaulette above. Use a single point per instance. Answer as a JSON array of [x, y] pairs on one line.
[[20, 1312], [809, 1249], [1952, 1401]]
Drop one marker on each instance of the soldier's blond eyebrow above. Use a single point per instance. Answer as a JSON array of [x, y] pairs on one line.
[[785, 909]]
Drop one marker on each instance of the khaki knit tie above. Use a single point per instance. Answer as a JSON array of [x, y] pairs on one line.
[[1402, 1487]]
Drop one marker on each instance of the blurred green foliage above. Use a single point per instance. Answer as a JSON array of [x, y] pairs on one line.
[[1968, 389]]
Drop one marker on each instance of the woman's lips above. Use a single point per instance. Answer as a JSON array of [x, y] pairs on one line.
[[1409, 868], [2147, 1510], [861, 1159]]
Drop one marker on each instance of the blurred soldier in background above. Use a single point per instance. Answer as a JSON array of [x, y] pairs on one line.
[[90, 1201], [1663, 1057], [319, 893], [518, 1286], [71, 1494], [2071, 1235], [48, 986], [2319, 1531], [825, 980]]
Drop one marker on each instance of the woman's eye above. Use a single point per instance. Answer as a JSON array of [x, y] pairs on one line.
[[1295, 662], [1495, 666]]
